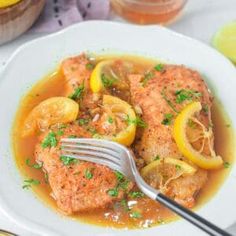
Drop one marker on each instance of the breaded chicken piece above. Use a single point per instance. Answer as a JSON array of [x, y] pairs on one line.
[[80, 186], [157, 97]]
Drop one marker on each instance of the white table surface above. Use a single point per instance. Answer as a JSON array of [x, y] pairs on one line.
[[200, 20]]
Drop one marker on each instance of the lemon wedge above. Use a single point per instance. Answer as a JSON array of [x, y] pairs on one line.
[[185, 167], [118, 107], [98, 81], [180, 135], [49, 112], [7, 3], [225, 41]]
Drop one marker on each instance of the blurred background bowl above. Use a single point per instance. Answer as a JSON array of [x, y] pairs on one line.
[[148, 11], [18, 18]]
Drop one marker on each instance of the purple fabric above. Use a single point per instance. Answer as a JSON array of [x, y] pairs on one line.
[[59, 14]]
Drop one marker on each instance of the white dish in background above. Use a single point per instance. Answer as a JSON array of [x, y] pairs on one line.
[[34, 60]]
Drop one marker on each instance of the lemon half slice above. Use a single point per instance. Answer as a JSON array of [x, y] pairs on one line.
[[117, 107], [49, 112], [7, 3], [185, 167], [96, 79], [179, 132], [225, 41]]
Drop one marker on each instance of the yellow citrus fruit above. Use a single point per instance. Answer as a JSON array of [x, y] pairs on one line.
[[180, 135], [49, 112], [96, 79], [185, 167], [7, 3], [119, 107], [225, 41]]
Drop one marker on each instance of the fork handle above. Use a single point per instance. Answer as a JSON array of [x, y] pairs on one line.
[[190, 216]]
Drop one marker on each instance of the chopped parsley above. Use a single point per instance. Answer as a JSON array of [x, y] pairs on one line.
[[119, 175], [110, 120], [146, 78], [72, 136], [167, 119], [83, 121], [29, 182], [226, 164], [135, 215], [178, 167], [92, 130], [136, 194], [205, 108], [183, 94], [157, 157], [88, 174], [89, 66], [49, 141], [68, 160], [35, 166], [60, 132], [191, 123], [159, 67], [107, 82], [138, 121], [113, 192], [124, 204], [168, 101], [62, 126], [78, 93]]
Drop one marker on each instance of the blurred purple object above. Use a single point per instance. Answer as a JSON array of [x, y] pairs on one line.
[[59, 14]]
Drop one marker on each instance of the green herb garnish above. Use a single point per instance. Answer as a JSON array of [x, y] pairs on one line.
[[110, 120], [49, 141], [135, 215], [68, 160], [88, 174], [178, 167], [60, 132], [191, 123], [29, 182], [136, 194], [124, 204], [168, 101], [89, 66], [35, 166], [138, 121], [157, 157], [146, 78], [113, 192], [62, 126], [226, 164], [83, 121], [119, 175], [205, 108], [183, 94], [107, 82], [78, 93], [159, 67], [167, 119]]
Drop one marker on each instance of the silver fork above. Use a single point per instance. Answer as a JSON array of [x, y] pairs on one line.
[[120, 158]]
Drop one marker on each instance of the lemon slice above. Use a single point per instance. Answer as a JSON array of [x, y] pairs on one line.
[[179, 132], [96, 80], [225, 41], [7, 3], [50, 111], [117, 107], [185, 167]]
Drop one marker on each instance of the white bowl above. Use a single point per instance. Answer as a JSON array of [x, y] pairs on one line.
[[34, 60]]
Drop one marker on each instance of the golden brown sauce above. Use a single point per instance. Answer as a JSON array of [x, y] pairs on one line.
[[152, 212]]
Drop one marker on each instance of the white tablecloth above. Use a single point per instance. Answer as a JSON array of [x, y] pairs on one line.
[[200, 20]]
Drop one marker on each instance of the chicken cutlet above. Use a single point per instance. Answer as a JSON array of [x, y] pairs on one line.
[[157, 96]]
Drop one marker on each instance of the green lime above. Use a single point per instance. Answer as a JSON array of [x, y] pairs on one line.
[[225, 41]]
